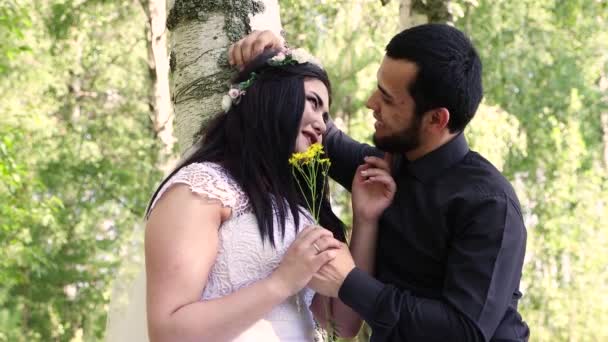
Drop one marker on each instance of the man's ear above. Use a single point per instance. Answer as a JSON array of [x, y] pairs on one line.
[[438, 119]]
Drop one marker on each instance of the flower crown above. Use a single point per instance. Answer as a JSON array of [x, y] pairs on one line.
[[287, 57]]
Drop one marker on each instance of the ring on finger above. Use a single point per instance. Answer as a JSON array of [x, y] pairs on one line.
[[316, 247]]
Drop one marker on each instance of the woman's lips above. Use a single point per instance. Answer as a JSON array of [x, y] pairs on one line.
[[312, 138]]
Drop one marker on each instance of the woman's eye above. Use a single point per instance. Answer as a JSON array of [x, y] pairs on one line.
[[314, 102]]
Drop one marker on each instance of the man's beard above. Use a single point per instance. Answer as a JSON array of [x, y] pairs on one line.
[[403, 141]]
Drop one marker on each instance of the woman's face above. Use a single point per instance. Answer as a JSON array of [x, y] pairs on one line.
[[315, 114]]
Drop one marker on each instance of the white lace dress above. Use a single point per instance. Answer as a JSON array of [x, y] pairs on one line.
[[242, 259]]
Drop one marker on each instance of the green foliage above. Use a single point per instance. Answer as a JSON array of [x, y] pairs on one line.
[[542, 64], [496, 134], [78, 152], [14, 21], [78, 165]]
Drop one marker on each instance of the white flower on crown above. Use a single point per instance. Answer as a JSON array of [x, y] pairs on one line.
[[302, 56], [226, 103], [287, 57], [279, 57]]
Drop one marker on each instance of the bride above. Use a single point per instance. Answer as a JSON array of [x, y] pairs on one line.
[[229, 247]]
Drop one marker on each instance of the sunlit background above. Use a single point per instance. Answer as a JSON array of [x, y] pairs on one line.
[[80, 146]]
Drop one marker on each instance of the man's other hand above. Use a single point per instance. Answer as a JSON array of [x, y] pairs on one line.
[[246, 49], [328, 280]]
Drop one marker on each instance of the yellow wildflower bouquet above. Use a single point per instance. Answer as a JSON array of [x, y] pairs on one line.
[[309, 165]]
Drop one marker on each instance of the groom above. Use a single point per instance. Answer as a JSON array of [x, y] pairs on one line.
[[446, 258]]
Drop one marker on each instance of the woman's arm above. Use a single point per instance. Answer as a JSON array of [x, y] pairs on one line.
[[373, 190], [181, 247], [363, 249]]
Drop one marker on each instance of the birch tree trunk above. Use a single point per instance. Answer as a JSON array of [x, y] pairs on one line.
[[158, 69], [417, 12], [201, 32]]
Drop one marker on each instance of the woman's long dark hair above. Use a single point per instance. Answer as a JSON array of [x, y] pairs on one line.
[[254, 140]]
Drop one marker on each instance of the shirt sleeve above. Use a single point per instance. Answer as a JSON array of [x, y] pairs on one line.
[[483, 271], [345, 154], [485, 260], [397, 315]]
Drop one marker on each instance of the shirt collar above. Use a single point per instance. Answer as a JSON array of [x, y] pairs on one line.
[[433, 163]]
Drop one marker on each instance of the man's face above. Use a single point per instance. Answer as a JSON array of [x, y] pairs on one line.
[[397, 128]]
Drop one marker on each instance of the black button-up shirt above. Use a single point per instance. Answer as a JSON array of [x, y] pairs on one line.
[[450, 248]]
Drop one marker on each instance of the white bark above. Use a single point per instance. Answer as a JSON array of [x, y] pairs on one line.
[[158, 60], [270, 19], [198, 80], [196, 53]]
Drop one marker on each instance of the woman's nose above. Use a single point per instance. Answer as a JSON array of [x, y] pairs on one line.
[[319, 126]]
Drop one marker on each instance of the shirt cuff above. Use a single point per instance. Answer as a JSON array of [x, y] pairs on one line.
[[359, 291]]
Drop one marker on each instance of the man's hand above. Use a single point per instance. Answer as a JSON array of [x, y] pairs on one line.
[[328, 280], [373, 188], [253, 44]]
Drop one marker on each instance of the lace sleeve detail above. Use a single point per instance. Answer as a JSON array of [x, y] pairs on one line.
[[210, 181]]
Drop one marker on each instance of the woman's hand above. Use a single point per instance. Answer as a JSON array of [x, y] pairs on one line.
[[373, 188], [312, 248]]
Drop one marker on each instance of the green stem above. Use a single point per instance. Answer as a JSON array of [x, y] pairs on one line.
[[309, 172], [325, 169], [300, 187], [313, 190]]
